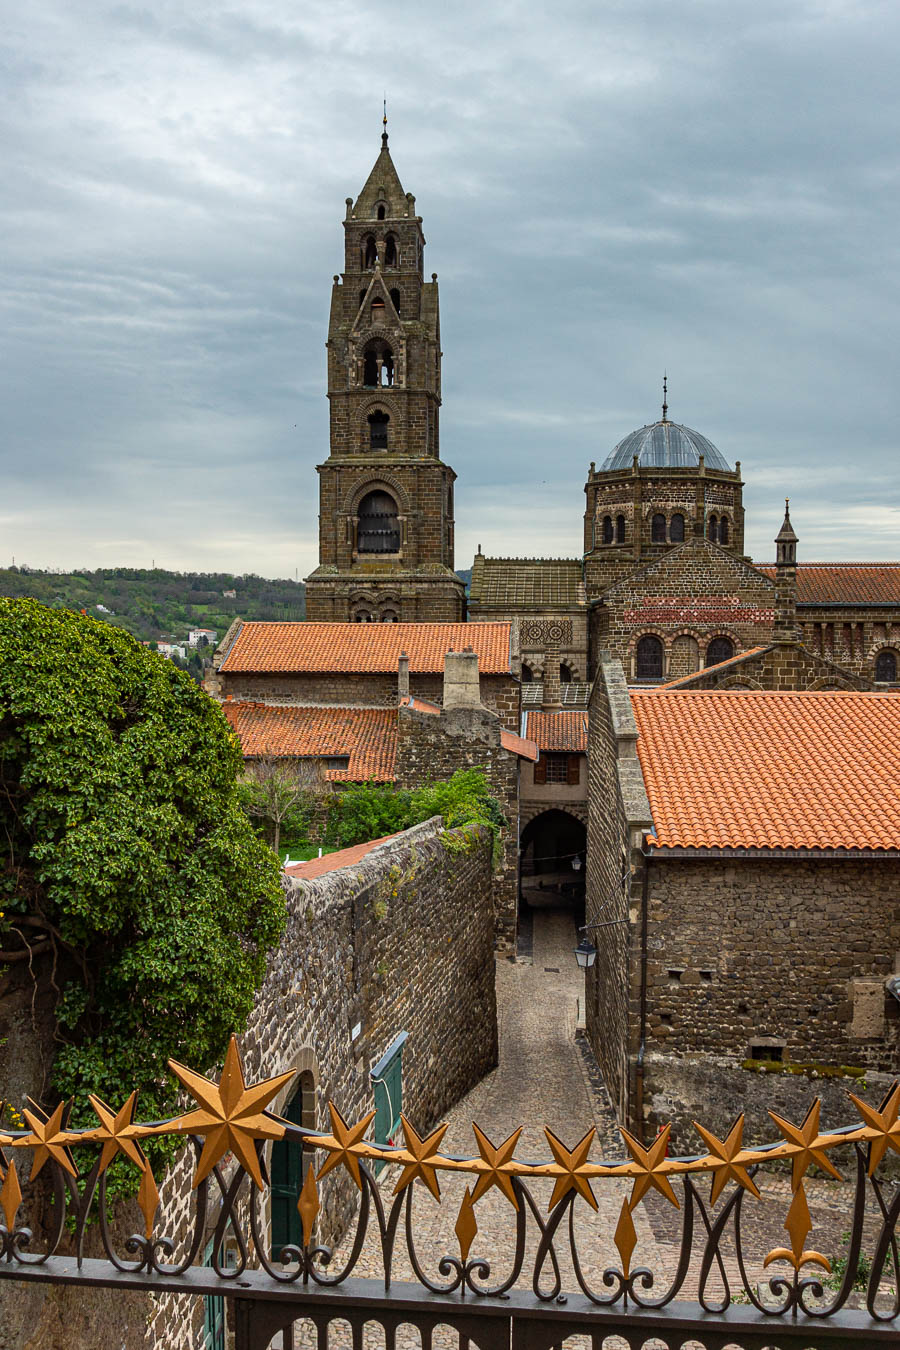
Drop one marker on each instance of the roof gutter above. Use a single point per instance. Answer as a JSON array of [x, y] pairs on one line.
[[793, 854]]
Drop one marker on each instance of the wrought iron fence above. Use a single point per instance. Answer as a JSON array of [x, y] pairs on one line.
[[515, 1296]]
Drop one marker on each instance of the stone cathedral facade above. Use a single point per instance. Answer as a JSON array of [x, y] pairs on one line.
[[385, 495]]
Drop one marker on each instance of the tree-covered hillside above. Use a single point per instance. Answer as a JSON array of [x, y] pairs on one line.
[[154, 604]]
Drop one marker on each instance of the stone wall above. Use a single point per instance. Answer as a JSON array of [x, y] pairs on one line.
[[744, 951], [784, 666], [709, 1088], [433, 748], [500, 693]]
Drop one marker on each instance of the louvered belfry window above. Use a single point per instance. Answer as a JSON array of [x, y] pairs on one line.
[[379, 527]]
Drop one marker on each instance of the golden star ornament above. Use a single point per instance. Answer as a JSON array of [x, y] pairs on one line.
[[49, 1138], [727, 1159], [495, 1160], [651, 1163], [882, 1126], [568, 1165], [345, 1143], [117, 1131], [418, 1152], [230, 1115], [809, 1145]]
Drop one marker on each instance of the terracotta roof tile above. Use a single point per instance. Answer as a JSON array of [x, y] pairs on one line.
[[519, 745], [367, 735], [770, 771], [365, 648], [566, 730], [711, 670], [845, 583], [331, 862]]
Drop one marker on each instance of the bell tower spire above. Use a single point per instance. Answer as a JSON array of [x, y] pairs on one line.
[[386, 498]]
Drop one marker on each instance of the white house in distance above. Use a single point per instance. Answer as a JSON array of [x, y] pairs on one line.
[[196, 636]]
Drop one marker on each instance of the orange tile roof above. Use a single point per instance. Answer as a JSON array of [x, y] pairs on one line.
[[331, 862], [770, 771], [711, 670], [566, 730], [845, 583], [367, 735], [364, 648]]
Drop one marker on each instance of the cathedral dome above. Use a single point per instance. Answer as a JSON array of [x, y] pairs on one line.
[[665, 445]]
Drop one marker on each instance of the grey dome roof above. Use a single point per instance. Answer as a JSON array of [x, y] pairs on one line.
[[665, 445]]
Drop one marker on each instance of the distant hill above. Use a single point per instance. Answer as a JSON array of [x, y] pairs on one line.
[[153, 603]]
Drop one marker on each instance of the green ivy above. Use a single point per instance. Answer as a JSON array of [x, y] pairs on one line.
[[131, 869], [365, 811]]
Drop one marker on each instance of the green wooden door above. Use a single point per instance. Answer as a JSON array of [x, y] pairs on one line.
[[287, 1179], [387, 1085], [214, 1309]]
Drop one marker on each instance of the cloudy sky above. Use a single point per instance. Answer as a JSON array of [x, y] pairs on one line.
[[608, 188]]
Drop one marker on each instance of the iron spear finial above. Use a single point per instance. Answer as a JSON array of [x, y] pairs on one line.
[[665, 416], [384, 134]]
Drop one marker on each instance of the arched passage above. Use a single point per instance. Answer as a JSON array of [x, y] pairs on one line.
[[552, 856]]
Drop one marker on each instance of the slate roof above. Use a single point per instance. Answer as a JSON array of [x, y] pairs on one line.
[[566, 730], [526, 583], [845, 583], [367, 735], [363, 648], [665, 445], [770, 771]]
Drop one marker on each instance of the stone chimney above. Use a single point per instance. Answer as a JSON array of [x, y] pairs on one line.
[[786, 581], [461, 686], [551, 700], [402, 677]]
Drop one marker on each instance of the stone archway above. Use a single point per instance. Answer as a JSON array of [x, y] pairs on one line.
[[552, 858]]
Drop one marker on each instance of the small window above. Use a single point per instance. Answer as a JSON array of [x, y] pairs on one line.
[[666, 1019], [395, 299], [766, 1050], [675, 976], [378, 310], [382, 211], [649, 658], [658, 529], [607, 530], [720, 649], [676, 529], [706, 975], [336, 761], [723, 530], [886, 667], [378, 430], [565, 674], [527, 675], [712, 528], [557, 768], [370, 251], [390, 251], [620, 529]]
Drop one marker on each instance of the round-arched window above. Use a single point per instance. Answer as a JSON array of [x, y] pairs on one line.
[[378, 430], [723, 530], [607, 530], [527, 674], [712, 528], [379, 527], [658, 529], [649, 664], [378, 365], [565, 674], [620, 529], [719, 649], [676, 529], [886, 667]]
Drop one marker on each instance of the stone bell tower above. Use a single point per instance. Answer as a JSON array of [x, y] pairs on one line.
[[385, 496]]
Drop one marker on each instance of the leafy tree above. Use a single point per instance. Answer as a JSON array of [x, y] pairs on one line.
[[134, 891], [276, 792], [368, 811]]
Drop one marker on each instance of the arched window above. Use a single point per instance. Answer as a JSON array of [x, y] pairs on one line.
[[565, 674], [620, 529], [658, 529], [389, 616], [390, 251], [371, 252], [676, 529], [723, 530], [378, 365], [378, 430], [378, 310], [382, 211], [607, 530], [395, 298], [379, 528], [712, 528], [886, 667], [720, 649], [527, 674], [649, 658]]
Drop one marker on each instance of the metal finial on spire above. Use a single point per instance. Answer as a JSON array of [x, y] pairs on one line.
[[384, 125], [665, 416]]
